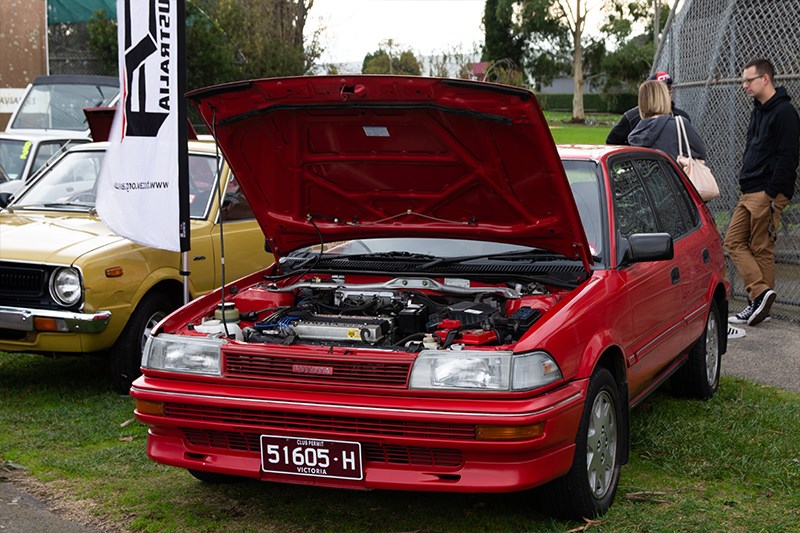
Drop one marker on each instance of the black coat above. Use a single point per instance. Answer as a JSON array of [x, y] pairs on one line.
[[772, 149], [619, 133]]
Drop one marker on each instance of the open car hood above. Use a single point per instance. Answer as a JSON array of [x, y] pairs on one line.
[[342, 157]]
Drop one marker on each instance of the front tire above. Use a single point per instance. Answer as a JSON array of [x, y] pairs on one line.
[[588, 489], [126, 355], [699, 376]]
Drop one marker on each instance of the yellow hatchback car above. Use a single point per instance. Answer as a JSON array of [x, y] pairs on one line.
[[70, 285]]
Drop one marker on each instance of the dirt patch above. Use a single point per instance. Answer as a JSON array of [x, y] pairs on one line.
[[58, 500]]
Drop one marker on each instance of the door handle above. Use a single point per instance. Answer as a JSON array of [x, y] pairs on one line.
[[706, 256], [199, 258], [675, 274]]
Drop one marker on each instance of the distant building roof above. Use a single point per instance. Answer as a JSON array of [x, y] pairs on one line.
[[479, 69]]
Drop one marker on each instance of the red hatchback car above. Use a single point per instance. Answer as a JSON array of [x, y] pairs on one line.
[[457, 304]]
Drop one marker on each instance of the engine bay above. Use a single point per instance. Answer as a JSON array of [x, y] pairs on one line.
[[407, 314]]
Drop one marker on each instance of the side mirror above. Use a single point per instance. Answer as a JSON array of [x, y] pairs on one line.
[[644, 247], [5, 199]]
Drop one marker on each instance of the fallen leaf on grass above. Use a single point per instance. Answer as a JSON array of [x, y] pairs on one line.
[[646, 496], [126, 439], [588, 525], [127, 423]]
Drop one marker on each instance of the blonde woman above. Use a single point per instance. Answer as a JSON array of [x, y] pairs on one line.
[[657, 129]]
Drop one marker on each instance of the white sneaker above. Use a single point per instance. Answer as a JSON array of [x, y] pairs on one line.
[[736, 333], [742, 316]]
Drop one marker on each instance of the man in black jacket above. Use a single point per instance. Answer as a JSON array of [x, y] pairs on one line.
[[619, 133], [766, 179]]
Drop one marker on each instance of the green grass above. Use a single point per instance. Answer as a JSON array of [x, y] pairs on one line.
[[594, 131], [730, 464]]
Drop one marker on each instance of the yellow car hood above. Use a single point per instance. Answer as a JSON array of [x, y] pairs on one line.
[[51, 238]]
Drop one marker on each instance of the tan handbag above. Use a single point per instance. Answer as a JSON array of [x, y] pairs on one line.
[[696, 169]]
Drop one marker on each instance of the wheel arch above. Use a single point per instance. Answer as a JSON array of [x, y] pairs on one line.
[[720, 296], [172, 288], [613, 360]]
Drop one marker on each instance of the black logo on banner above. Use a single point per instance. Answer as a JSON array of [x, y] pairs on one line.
[[153, 47]]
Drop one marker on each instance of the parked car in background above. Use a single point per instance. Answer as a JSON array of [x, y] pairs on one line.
[[50, 118], [22, 155], [55, 104], [69, 285], [457, 304]]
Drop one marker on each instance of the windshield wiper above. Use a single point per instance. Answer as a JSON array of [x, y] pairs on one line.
[[516, 255], [385, 255], [53, 205]]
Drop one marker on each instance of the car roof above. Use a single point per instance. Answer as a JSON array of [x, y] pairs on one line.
[[597, 152]]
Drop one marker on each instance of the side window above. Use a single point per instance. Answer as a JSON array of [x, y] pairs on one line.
[[686, 204], [202, 177], [234, 204], [632, 208], [45, 152], [670, 210]]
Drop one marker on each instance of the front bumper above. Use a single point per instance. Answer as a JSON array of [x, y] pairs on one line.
[[217, 429], [25, 319]]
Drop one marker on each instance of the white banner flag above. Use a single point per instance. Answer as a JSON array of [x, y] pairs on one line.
[[138, 189]]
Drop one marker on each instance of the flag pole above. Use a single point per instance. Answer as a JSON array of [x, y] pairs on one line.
[[183, 150]]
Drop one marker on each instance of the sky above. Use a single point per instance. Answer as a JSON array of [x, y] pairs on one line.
[[354, 28]]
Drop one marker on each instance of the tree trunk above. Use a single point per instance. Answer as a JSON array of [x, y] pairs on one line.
[[577, 78]]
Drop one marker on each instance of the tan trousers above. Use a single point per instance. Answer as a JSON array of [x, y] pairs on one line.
[[750, 240]]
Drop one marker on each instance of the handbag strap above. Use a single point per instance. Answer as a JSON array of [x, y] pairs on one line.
[[683, 137]]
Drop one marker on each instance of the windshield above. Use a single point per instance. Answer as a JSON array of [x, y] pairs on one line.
[[415, 246], [71, 182], [13, 156], [61, 106], [584, 180]]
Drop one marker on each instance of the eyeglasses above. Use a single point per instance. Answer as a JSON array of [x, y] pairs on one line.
[[748, 81]]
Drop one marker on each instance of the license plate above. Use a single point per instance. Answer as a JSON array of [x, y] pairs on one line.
[[301, 456]]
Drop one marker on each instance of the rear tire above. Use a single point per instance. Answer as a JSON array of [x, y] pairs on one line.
[[126, 354], [699, 376], [214, 478], [588, 489]]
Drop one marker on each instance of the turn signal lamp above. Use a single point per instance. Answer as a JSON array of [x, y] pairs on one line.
[[146, 407], [509, 432], [49, 324], [113, 272]]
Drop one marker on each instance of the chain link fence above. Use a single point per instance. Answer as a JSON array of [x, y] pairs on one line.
[[704, 47], [69, 51]]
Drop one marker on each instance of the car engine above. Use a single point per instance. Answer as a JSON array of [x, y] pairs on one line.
[[403, 313]]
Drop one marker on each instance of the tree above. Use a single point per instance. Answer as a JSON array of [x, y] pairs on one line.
[[103, 42], [228, 40], [385, 60], [210, 54], [555, 32], [270, 34], [560, 20], [630, 63], [501, 39]]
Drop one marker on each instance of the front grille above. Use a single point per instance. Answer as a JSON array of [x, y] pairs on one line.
[[372, 452], [26, 282], [310, 422], [372, 373]]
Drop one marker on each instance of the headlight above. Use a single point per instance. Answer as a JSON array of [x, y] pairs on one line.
[[480, 370], [178, 353], [65, 286]]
